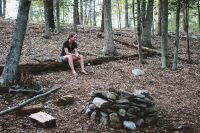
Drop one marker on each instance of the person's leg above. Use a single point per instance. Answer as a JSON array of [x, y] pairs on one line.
[[81, 61], [69, 58]]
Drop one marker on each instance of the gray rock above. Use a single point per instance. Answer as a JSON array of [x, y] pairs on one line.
[[138, 72], [104, 120], [110, 95], [122, 101], [93, 115], [139, 122], [88, 111], [129, 125], [122, 112], [103, 114], [100, 103], [92, 106], [115, 121]]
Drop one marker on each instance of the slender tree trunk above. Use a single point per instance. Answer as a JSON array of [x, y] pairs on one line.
[[164, 46], [81, 11], [143, 13], [146, 39], [75, 15], [46, 16], [139, 33], [119, 14], [102, 19], [94, 14], [126, 14], [51, 15], [1, 13], [12, 60], [159, 17], [198, 15], [175, 60], [108, 48], [85, 12], [90, 13], [187, 29], [58, 15], [133, 10], [184, 17], [4, 8]]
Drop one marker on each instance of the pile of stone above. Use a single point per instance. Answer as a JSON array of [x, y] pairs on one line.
[[121, 109]]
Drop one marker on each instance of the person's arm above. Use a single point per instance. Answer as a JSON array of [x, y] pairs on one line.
[[67, 52], [76, 52]]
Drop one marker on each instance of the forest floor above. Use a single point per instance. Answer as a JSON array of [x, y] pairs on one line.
[[176, 93]]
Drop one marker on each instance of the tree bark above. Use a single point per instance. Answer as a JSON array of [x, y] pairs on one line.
[[159, 17], [1, 13], [108, 48], [51, 15], [75, 15], [164, 46], [12, 60], [187, 30], [46, 16], [102, 18], [119, 15], [139, 33], [126, 14], [146, 39], [81, 11], [94, 14], [175, 60], [58, 15]]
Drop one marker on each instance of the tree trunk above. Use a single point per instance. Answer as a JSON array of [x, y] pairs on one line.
[[175, 60], [108, 48], [85, 12], [12, 60], [198, 15], [164, 46], [46, 16], [1, 13], [94, 14], [75, 15], [4, 8], [51, 15], [102, 17], [90, 13], [119, 14], [159, 17], [133, 10], [146, 39], [184, 17], [58, 15], [187, 29], [143, 13], [126, 13], [81, 11], [139, 33]]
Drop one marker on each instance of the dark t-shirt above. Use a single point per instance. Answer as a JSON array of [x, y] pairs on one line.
[[70, 49]]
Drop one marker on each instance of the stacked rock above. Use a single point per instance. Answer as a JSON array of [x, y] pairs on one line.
[[121, 109]]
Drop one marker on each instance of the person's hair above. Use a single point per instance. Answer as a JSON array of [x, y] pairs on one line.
[[71, 35]]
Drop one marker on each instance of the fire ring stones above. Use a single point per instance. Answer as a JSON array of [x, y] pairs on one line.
[[121, 109]]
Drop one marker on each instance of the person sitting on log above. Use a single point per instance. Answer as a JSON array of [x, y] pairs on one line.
[[69, 53]]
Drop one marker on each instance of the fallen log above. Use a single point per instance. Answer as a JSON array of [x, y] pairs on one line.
[[136, 46], [20, 105], [25, 91], [44, 66], [132, 45]]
